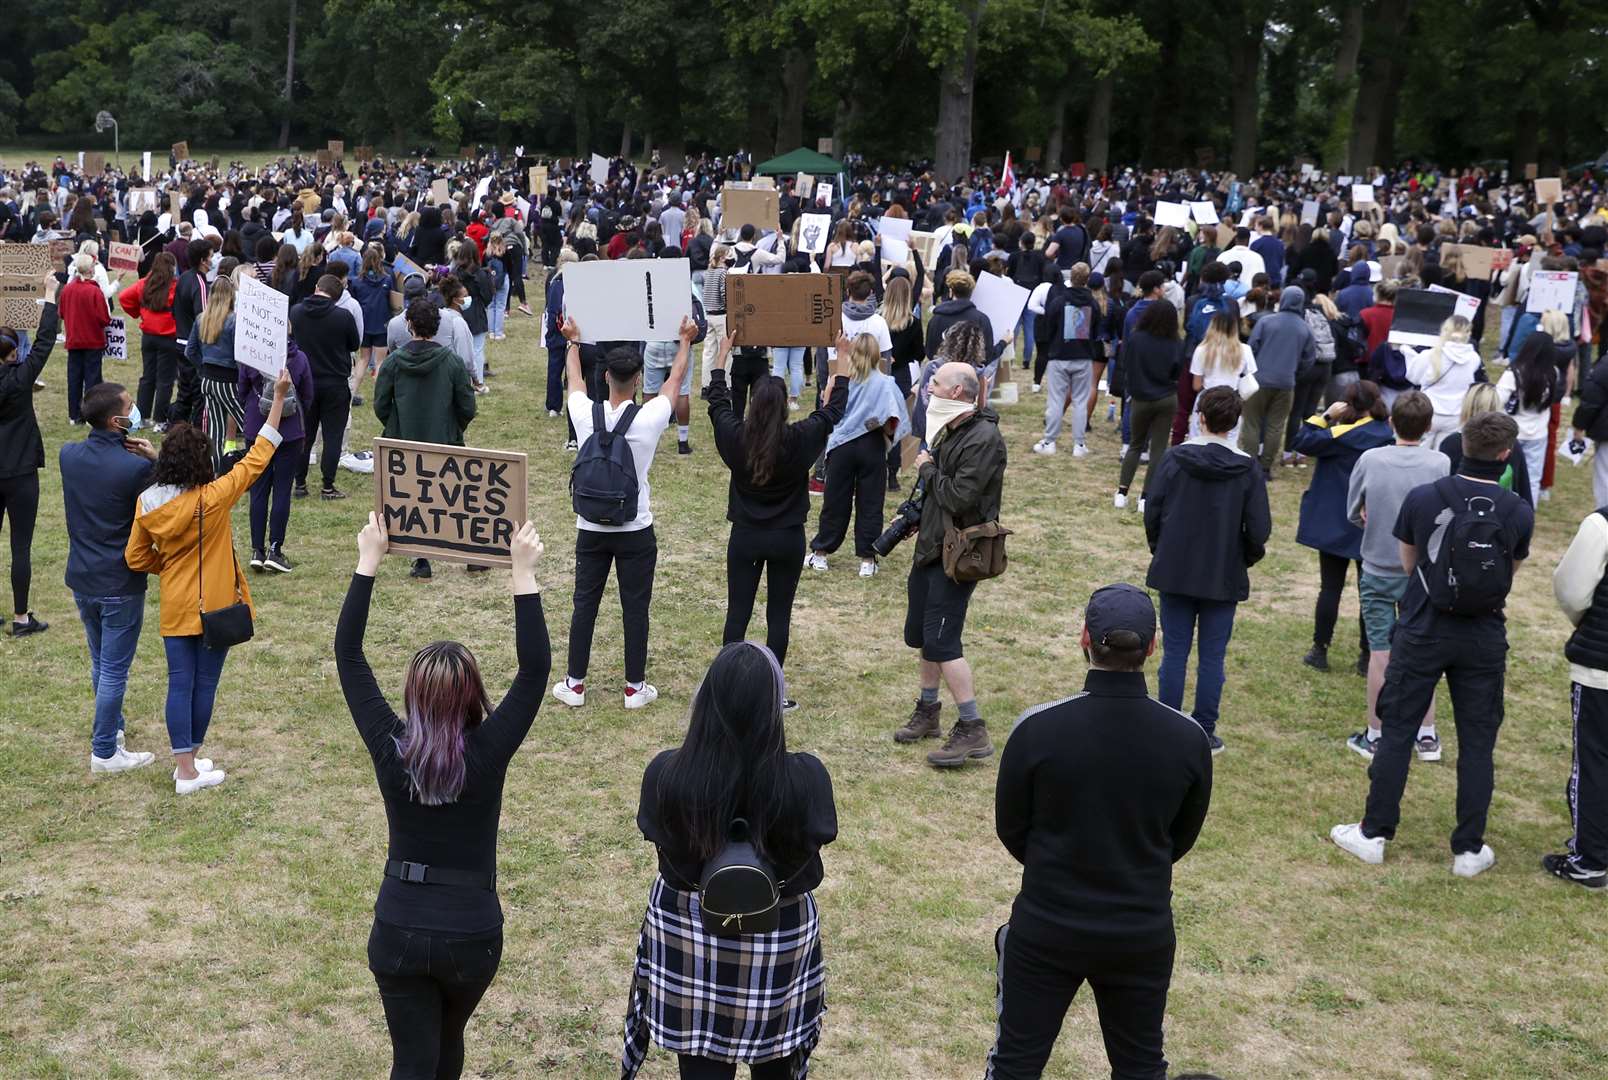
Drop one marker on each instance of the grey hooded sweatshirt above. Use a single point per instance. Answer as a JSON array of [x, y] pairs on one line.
[[1282, 344]]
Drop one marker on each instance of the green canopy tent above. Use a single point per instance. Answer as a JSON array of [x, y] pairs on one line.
[[800, 161]]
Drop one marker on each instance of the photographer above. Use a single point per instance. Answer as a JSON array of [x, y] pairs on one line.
[[962, 476]]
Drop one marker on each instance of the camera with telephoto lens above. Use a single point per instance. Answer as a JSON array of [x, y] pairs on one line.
[[906, 520]]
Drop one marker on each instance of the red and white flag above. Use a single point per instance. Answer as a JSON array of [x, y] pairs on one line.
[[1007, 177]]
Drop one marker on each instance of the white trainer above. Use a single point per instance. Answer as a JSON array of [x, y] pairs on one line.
[[201, 765], [815, 561], [1045, 447], [641, 699], [868, 568], [1141, 504], [1474, 863], [1080, 450], [1037, 389], [1120, 501], [1349, 838], [573, 698], [120, 761], [210, 778]]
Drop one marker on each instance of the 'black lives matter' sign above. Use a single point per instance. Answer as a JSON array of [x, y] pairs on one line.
[[449, 502]]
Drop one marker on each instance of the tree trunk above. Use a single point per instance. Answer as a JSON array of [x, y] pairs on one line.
[[1053, 158], [1244, 63], [290, 78], [625, 141], [1345, 86], [760, 125], [1526, 140], [583, 126], [840, 128], [1097, 137], [952, 159], [1168, 101], [1375, 75], [796, 64]]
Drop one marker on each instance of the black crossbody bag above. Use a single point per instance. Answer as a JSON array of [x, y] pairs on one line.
[[228, 626]]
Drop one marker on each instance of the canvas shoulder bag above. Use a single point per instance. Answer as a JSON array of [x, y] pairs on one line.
[[976, 553]]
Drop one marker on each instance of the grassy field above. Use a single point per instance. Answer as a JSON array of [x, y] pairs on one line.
[[224, 934]]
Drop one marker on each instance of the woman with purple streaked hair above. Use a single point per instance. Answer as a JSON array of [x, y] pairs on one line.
[[437, 936]]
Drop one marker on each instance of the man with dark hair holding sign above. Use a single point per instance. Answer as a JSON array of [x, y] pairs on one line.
[[614, 519]]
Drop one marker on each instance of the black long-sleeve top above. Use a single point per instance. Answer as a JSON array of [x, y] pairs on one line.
[[461, 835], [908, 348], [783, 502], [1097, 796]]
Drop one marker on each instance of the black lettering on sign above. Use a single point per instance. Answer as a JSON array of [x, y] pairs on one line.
[[418, 466], [451, 467], [502, 532], [648, 277], [480, 530], [496, 473], [496, 501], [396, 462], [424, 491]]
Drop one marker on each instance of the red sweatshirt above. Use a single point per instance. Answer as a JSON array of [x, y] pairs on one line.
[[84, 314], [155, 323]]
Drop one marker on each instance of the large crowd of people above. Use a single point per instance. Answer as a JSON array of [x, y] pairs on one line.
[[1246, 343]]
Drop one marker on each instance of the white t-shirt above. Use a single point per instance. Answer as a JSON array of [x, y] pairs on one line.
[[876, 326], [643, 438], [1532, 424], [1197, 366]]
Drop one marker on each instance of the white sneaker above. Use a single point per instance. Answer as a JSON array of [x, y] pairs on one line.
[[642, 698], [210, 778], [201, 765], [1349, 838], [1144, 457], [552, 414], [1123, 452], [573, 698], [1141, 504], [1045, 447], [1037, 389], [120, 761], [1120, 501], [360, 462], [1080, 450], [815, 561], [1474, 863], [792, 405], [868, 568]]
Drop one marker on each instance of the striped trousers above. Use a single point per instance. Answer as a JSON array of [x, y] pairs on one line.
[[221, 402]]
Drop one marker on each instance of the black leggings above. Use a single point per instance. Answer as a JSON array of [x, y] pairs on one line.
[[19, 505], [1331, 583], [515, 262], [779, 555], [857, 477], [430, 984], [697, 1068]]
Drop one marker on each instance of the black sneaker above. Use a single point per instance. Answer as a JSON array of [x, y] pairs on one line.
[[421, 569], [572, 446], [1569, 868], [683, 447], [1362, 664], [476, 569], [32, 626], [357, 399], [331, 494], [300, 492], [1214, 742], [788, 704], [1317, 658], [257, 559], [276, 559]]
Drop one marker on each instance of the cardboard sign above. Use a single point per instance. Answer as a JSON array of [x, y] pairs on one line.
[[1552, 290], [337, 147], [364, 153], [758, 207], [823, 146], [449, 502], [116, 340], [94, 163], [262, 321], [1549, 191], [439, 192], [628, 299], [1390, 266], [1204, 213], [24, 276], [784, 309], [538, 181], [175, 205], [1418, 316], [1309, 212], [1362, 194], [466, 152], [1002, 300], [599, 170], [1480, 263], [1173, 214], [803, 185], [814, 233], [141, 200], [326, 160], [823, 194], [1531, 171], [766, 182], [181, 151], [893, 234]]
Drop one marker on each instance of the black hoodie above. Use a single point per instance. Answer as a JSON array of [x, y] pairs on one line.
[[328, 335], [1083, 328], [1207, 520]]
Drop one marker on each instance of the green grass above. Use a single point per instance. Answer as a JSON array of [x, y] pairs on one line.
[[224, 935]]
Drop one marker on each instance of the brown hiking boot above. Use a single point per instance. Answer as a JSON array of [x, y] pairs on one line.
[[923, 724], [966, 741]]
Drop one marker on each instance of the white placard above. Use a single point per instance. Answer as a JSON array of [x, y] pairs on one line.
[[1467, 306], [804, 185], [814, 233], [482, 189], [141, 200], [1175, 214], [894, 235], [1342, 180], [262, 321], [600, 170], [1309, 211], [1204, 213], [823, 193], [1002, 300], [1362, 194], [116, 340], [1306, 170], [1552, 290], [145, 167], [628, 299]]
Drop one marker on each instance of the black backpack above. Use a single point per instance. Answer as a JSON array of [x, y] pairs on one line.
[[1472, 572], [603, 481], [738, 892]]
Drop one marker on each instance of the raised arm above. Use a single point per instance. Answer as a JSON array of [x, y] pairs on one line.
[[574, 379], [678, 369], [228, 488], [371, 713], [510, 721]]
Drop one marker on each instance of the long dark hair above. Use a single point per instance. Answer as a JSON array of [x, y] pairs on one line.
[[1158, 319], [285, 271], [1363, 400], [1535, 371], [763, 428], [158, 280], [733, 762], [185, 460]]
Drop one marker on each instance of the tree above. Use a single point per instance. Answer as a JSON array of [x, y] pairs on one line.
[[184, 85]]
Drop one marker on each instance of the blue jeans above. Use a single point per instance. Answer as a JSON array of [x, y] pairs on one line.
[[555, 379], [497, 317], [788, 363], [478, 364], [193, 674], [1027, 322], [112, 628], [1179, 615]]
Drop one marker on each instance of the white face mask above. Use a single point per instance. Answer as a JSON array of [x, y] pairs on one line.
[[941, 412]]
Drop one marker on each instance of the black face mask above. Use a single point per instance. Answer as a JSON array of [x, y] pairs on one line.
[[1476, 469]]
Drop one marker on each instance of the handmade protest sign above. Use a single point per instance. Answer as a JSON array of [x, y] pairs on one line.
[[364, 153], [326, 160], [1418, 316], [145, 164], [628, 299], [141, 200], [24, 276], [1174, 214], [467, 152], [823, 146], [1362, 194], [763, 182], [814, 232], [803, 185], [894, 237], [1390, 266], [116, 340], [758, 207], [1480, 263], [262, 317], [1309, 211], [449, 502], [1552, 290], [337, 147], [599, 170], [440, 192], [823, 194], [926, 245], [482, 189], [1204, 213], [94, 163], [1002, 300], [1467, 306], [538, 181], [784, 309], [1531, 171], [1549, 191], [181, 151]]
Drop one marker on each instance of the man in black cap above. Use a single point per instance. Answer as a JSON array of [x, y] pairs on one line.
[[1098, 796]]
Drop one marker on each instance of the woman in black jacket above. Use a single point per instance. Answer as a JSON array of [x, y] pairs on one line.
[[437, 936], [427, 244], [477, 281], [768, 501], [22, 454], [1151, 359], [753, 998]]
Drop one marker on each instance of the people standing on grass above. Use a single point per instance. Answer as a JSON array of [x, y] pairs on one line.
[[1285, 351], [437, 937], [720, 999], [270, 523], [85, 315], [210, 348], [1066, 352], [1528, 390], [1152, 356], [22, 454], [1098, 796], [1444, 372], [149, 301], [200, 574], [1578, 585], [327, 333]]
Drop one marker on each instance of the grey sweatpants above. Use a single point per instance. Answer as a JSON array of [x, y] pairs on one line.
[[1063, 378]]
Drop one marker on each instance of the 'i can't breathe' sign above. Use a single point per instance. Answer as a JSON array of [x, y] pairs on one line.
[[449, 502]]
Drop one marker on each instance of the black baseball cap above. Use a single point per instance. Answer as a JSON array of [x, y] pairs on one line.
[[1120, 608]]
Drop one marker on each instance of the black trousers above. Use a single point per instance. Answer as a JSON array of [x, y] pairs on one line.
[[746, 370], [1037, 984], [332, 406], [159, 367], [697, 1068], [635, 555], [83, 372], [1331, 584], [1475, 666], [778, 554], [430, 985], [19, 507], [514, 260], [856, 476], [188, 403], [1308, 392], [1587, 790]]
